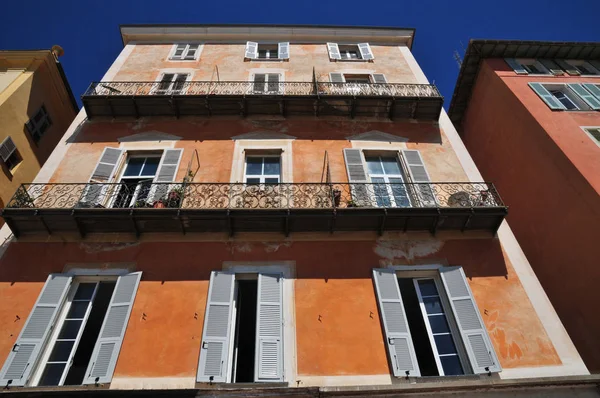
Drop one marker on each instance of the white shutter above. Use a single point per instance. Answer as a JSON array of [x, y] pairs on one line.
[[96, 191], [214, 349], [418, 174], [166, 172], [283, 50], [25, 352], [593, 88], [516, 66], [106, 351], [546, 96], [585, 95], [251, 50], [273, 85], [570, 69], [259, 83], [269, 329], [379, 78], [472, 329], [397, 333], [179, 50], [357, 176], [7, 148], [192, 51], [336, 78], [552, 67], [365, 51], [334, 51]]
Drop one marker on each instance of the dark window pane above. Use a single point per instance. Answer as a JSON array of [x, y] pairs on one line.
[[433, 305], [151, 166], [271, 180], [61, 351], [77, 309], [70, 329], [254, 166], [445, 344], [52, 374], [272, 165], [84, 291], [253, 180], [134, 167], [427, 287], [451, 365], [438, 324]]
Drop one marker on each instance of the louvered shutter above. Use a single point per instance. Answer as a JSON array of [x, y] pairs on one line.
[[251, 50], [552, 67], [472, 329], [334, 51], [379, 78], [283, 50], [357, 176], [269, 329], [418, 174], [192, 51], [336, 78], [167, 170], [25, 352], [365, 51], [214, 349], [179, 50], [585, 95], [273, 85], [595, 64], [106, 351], [259, 83], [570, 69], [546, 96], [393, 316], [7, 148], [593, 88], [97, 190], [516, 66]]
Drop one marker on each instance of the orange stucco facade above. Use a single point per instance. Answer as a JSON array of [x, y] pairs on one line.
[[332, 305], [546, 167]]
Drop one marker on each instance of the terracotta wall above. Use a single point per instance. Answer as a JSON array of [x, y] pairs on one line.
[[146, 62], [338, 330], [546, 169]]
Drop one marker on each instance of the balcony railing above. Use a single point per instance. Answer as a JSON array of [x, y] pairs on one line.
[[213, 207], [393, 100]]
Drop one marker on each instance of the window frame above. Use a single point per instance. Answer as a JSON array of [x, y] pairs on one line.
[[571, 95], [266, 73], [526, 63], [263, 176], [391, 196], [183, 57], [34, 127], [576, 63], [120, 175], [13, 161], [348, 48], [170, 91], [586, 131], [271, 47]]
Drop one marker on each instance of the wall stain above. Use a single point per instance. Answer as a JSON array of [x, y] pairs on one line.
[[406, 249], [107, 247], [272, 247]]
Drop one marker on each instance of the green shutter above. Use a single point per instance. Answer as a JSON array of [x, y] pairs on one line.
[[546, 96], [585, 95]]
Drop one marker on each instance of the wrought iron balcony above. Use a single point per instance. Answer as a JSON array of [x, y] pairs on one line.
[[224, 207], [205, 98]]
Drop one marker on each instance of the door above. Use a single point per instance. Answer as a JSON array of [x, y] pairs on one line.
[[388, 187], [136, 181]]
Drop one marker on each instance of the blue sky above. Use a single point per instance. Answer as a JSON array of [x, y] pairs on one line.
[[88, 30]]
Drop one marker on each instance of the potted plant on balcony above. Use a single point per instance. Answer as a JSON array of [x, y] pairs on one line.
[[174, 197], [21, 199], [141, 204], [159, 204], [351, 203]]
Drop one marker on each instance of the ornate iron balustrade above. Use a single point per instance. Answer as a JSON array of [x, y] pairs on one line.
[[242, 88], [219, 196]]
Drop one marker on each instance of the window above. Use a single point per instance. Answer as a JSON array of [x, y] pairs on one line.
[[266, 51], [39, 124], [431, 323], [535, 67], [583, 67], [242, 339], [172, 84], [388, 180], [567, 100], [9, 153], [136, 181], [263, 169], [570, 97], [185, 52], [267, 83], [74, 332], [355, 84], [594, 133], [349, 52]]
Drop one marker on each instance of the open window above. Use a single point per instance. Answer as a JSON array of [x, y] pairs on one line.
[[74, 333], [267, 51], [432, 325], [357, 84], [566, 96], [242, 339], [185, 52], [172, 84], [9, 154], [267, 83], [350, 52]]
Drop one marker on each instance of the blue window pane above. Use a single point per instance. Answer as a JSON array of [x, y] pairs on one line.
[[390, 165], [374, 165], [451, 365], [134, 167], [271, 180], [61, 351], [84, 291], [427, 287], [272, 166], [438, 324], [444, 344], [77, 309], [254, 166], [433, 305], [399, 192], [253, 180], [381, 192], [150, 167]]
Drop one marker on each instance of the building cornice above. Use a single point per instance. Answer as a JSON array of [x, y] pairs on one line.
[[243, 33]]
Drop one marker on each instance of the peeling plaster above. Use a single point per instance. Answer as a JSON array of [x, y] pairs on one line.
[[107, 247], [271, 247], [406, 249]]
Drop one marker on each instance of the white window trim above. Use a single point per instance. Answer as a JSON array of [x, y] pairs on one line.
[[171, 55], [585, 130], [245, 147], [281, 80], [350, 60], [262, 177], [119, 176], [267, 43], [163, 72], [397, 155], [288, 270]]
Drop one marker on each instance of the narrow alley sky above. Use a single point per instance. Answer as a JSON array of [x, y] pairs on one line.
[[88, 30]]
